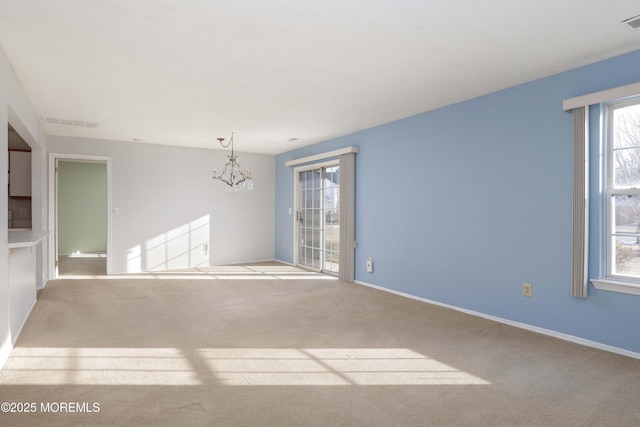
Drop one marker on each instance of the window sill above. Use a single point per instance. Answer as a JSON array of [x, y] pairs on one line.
[[616, 286]]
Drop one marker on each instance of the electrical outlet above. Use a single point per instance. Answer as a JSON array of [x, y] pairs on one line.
[[527, 289], [370, 264]]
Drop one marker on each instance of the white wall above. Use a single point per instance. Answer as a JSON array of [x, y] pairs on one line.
[[5, 327], [16, 109], [170, 210]]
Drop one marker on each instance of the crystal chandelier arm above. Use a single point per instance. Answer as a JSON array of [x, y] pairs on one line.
[[220, 140], [226, 176]]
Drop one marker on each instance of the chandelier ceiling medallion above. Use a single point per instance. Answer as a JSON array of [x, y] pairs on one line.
[[230, 176]]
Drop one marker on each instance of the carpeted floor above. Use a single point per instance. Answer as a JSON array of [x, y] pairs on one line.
[[94, 264], [272, 345]]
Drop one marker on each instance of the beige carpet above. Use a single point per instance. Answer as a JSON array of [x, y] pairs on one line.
[[271, 345], [84, 264]]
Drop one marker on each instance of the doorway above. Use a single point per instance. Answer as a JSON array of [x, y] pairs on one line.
[[80, 215], [317, 217]]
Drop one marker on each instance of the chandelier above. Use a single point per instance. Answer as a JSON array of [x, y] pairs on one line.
[[230, 176]]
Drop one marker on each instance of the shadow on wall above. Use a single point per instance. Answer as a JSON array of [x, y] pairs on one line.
[[186, 246]]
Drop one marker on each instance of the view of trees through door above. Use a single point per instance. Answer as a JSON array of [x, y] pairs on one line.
[[318, 213]]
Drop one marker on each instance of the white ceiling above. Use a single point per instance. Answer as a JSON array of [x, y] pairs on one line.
[[183, 72]]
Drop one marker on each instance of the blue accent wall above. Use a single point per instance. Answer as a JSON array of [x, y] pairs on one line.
[[464, 204]]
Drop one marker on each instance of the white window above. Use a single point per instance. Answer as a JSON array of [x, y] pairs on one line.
[[622, 184]]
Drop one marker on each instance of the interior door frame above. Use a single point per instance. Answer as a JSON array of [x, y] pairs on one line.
[[296, 192], [53, 200]]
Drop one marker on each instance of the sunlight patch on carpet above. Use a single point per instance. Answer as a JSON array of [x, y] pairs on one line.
[[230, 367], [359, 366], [98, 366]]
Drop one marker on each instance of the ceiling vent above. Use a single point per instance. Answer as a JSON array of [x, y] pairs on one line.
[[632, 23], [66, 122]]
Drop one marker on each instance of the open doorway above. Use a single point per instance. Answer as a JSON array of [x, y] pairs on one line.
[[20, 206], [80, 216]]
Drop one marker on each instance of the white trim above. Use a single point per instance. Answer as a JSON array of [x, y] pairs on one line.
[[7, 347], [231, 263], [616, 286], [601, 96], [312, 166], [42, 286], [613, 281], [322, 156], [14, 339], [543, 331], [52, 211], [5, 351]]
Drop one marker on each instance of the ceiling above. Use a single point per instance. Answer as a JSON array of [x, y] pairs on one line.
[[283, 74]]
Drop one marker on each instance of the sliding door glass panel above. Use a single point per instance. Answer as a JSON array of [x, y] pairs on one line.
[[309, 228], [330, 217], [317, 215]]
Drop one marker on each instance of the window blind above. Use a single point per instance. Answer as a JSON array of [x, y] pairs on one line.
[[579, 254], [347, 216]]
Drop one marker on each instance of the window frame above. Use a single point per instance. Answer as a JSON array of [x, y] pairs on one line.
[[594, 240], [610, 191]]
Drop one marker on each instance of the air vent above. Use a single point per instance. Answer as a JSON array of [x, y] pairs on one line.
[[67, 122], [633, 23]]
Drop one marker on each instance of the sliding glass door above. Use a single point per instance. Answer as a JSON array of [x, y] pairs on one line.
[[317, 215]]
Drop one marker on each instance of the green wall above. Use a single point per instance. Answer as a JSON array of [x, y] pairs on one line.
[[82, 207]]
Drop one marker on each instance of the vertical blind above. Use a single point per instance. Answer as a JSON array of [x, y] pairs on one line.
[[347, 216], [579, 274]]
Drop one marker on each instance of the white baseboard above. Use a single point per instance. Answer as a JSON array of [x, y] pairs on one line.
[[7, 346], [24, 322], [5, 352], [252, 261], [543, 331]]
